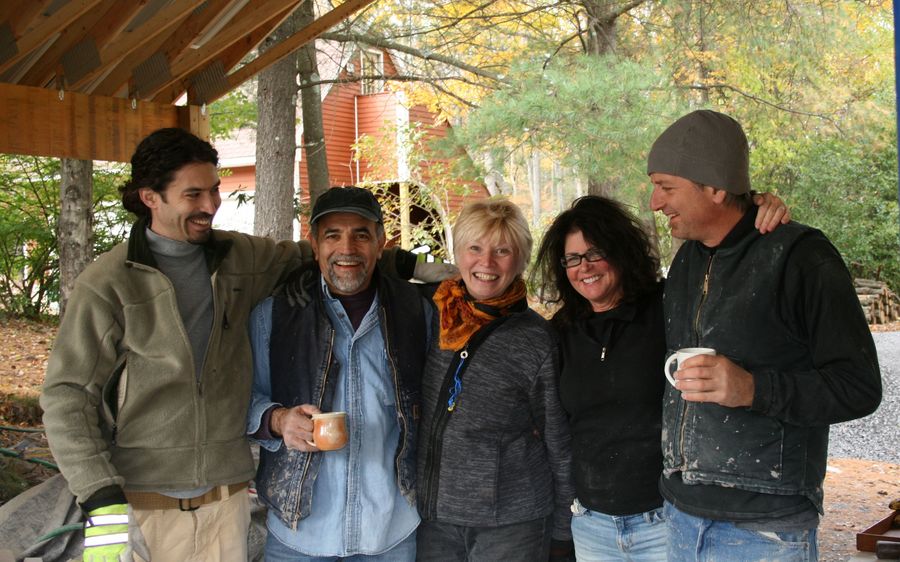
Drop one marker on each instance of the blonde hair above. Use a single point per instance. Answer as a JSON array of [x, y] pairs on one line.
[[497, 219]]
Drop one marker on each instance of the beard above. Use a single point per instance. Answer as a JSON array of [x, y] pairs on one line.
[[202, 237], [350, 282]]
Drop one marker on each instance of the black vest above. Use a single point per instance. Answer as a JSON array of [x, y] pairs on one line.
[[740, 318], [304, 369]]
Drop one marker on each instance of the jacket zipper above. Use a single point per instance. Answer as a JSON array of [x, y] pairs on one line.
[[704, 292], [403, 421], [318, 405], [436, 441], [201, 419]]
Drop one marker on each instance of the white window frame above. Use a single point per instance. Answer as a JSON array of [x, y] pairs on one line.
[[371, 63]]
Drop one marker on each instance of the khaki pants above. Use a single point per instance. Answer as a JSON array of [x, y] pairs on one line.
[[215, 532]]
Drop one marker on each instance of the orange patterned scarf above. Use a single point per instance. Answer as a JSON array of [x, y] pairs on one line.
[[461, 316]]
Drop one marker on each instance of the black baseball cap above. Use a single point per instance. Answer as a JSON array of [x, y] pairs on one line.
[[349, 199]]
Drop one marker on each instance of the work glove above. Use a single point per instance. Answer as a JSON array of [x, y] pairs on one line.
[[298, 286], [431, 270], [111, 534]]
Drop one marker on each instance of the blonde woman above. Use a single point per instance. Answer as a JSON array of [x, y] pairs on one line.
[[493, 458]]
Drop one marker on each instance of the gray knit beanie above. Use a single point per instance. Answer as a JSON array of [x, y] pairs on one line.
[[706, 147]]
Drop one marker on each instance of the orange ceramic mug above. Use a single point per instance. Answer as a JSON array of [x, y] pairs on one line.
[[329, 430]]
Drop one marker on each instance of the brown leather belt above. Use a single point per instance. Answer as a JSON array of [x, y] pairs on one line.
[[153, 500]]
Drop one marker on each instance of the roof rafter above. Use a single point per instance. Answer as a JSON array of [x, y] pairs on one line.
[[256, 14], [46, 28], [125, 43], [42, 71], [295, 41], [176, 43]]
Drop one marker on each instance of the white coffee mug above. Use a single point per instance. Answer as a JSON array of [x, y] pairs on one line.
[[682, 355]]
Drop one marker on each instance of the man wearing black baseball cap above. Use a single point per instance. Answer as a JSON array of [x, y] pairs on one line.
[[745, 431], [359, 347]]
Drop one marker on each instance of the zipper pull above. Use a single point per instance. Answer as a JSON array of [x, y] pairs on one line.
[[457, 383], [603, 354]]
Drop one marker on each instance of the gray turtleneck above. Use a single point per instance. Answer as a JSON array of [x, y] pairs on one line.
[[185, 266]]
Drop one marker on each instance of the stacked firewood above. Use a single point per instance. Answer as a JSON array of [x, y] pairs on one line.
[[879, 303]]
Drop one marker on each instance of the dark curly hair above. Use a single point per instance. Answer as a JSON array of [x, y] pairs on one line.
[[608, 226], [155, 161]]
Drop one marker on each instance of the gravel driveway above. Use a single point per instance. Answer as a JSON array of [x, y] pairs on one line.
[[875, 437]]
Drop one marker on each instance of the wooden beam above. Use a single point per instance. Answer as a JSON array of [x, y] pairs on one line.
[[112, 82], [41, 72], [126, 43], [233, 55], [254, 15], [7, 11], [194, 119], [295, 41], [35, 121], [24, 15], [173, 46], [47, 28], [230, 56]]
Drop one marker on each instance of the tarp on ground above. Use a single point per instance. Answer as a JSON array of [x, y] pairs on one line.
[[50, 506]]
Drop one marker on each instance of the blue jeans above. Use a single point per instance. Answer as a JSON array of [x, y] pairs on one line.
[[405, 551], [638, 538], [519, 542], [694, 539]]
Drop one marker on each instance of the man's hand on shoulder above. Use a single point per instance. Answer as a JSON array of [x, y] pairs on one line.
[[433, 271], [299, 286], [772, 212], [715, 378], [294, 426]]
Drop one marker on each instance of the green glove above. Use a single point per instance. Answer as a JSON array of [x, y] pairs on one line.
[[112, 535]]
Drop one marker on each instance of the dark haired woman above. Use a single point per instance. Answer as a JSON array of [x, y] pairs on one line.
[[597, 261]]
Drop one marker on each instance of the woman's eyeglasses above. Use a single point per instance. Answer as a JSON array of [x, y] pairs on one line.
[[574, 260]]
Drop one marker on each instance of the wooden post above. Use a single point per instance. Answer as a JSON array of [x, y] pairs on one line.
[[194, 118]]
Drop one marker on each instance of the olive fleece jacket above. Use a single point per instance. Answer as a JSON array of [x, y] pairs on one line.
[[122, 404]]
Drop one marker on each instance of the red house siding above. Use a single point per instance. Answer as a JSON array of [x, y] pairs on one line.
[[241, 177], [347, 115]]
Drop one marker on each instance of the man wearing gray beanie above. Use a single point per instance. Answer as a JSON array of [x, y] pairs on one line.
[[745, 431]]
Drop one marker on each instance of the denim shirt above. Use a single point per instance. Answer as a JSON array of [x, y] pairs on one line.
[[360, 509]]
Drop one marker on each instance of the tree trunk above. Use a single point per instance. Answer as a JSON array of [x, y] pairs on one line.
[[702, 70], [276, 141], [600, 187], [534, 183], [76, 245], [557, 186], [601, 36], [601, 39], [311, 101], [490, 176], [579, 185]]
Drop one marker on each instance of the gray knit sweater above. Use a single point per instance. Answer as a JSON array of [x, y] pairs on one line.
[[503, 455]]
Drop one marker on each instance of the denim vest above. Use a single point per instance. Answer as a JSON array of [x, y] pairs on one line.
[[738, 314], [303, 370]]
